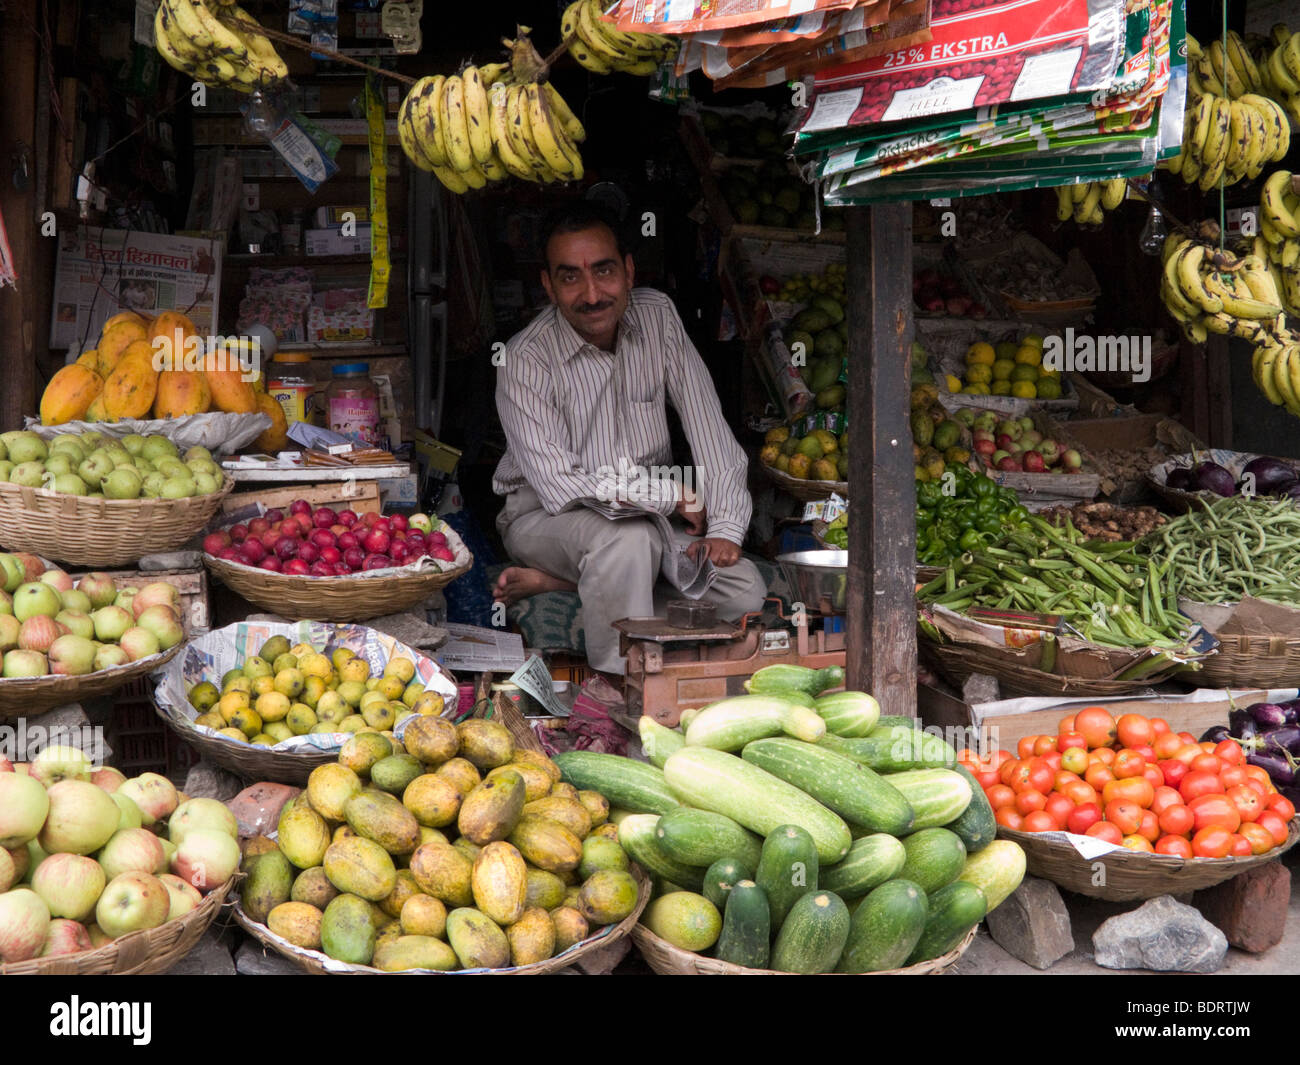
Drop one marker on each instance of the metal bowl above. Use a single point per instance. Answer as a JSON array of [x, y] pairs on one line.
[[818, 579]]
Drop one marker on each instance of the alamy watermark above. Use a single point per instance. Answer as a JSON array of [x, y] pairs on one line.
[[22, 742], [1105, 354], [214, 354], [629, 482]]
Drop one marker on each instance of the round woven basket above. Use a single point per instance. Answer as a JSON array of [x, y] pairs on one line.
[[804, 490], [28, 696], [100, 532], [1250, 662], [136, 954], [1132, 875], [313, 961], [668, 960]]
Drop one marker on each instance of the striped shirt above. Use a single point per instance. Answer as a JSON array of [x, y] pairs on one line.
[[586, 427]]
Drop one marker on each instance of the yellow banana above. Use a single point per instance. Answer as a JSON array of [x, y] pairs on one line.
[[189, 27], [1291, 56], [477, 119], [1237, 305], [426, 118], [1177, 303], [1280, 33], [1196, 332], [564, 114], [407, 135], [259, 46], [1274, 206], [1242, 63], [1263, 362], [183, 62], [1192, 284], [1209, 79], [1223, 70], [592, 34], [452, 179], [1083, 209], [1064, 203], [493, 169], [498, 112], [1280, 75], [1238, 142], [1217, 143], [642, 45], [518, 130], [491, 73], [1259, 281], [226, 40], [1283, 374], [1113, 193], [549, 140], [455, 129]]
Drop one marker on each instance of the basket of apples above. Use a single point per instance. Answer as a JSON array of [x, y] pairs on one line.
[[319, 564]]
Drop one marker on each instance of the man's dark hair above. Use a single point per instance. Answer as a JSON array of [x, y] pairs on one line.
[[576, 217]]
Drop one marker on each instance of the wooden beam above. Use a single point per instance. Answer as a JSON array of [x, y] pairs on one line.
[[881, 624]]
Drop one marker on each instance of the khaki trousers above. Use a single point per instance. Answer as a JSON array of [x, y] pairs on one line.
[[615, 564]]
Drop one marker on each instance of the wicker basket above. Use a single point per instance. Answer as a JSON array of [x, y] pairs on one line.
[[82, 531], [1251, 662], [804, 490], [246, 760], [28, 696], [1179, 501], [137, 954], [313, 961], [1132, 875], [668, 960]]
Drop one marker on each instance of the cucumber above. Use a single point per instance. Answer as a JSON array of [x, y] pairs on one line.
[[725, 784], [885, 928], [813, 936], [746, 928], [779, 678], [954, 911], [888, 721], [636, 835], [870, 862], [722, 876], [700, 837], [787, 870], [731, 723], [935, 858], [938, 796], [687, 716], [685, 919], [893, 750], [852, 790], [658, 742], [627, 784], [976, 824], [997, 870], [848, 714]]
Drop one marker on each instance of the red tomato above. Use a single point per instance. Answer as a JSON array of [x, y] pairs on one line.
[[1149, 826], [986, 778], [1188, 753], [1175, 845], [1041, 775], [1229, 751], [1083, 818], [1098, 776], [1159, 726], [1008, 818], [1136, 790], [1062, 778], [1044, 745], [1146, 751], [1154, 774], [1260, 788], [969, 759], [1166, 745], [1029, 801], [1066, 724], [1196, 784], [1124, 815], [1080, 792], [1177, 820], [1059, 807], [1173, 771], [1066, 740], [1261, 839], [1164, 798], [1135, 842], [1187, 738], [1233, 775], [1000, 795], [1241, 847], [1271, 821], [1280, 805], [1019, 776], [1052, 758], [1107, 831], [1025, 748], [1259, 773], [1134, 730], [1128, 764], [998, 757], [1075, 760], [1095, 725], [1007, 769], [1248, 802], [1207, 763], [1213, 841], [1206, 745], [1039, 821], [1105, 755], [1215, 810]]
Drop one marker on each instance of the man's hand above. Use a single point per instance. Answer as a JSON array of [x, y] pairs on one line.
[[692, 510], [720, 552]]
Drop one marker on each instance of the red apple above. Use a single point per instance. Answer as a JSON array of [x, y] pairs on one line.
[[1071, 460], [342, 569], [322, 569], [348, 518], [443, 554], [437, 539], [297, 567], [400, 553], [230, 554], [377, 561], [1033, 462], [355, 557], [269, 539], [271, 563], [347, 540], [286, 547], [985, 447], [324, 518], [238, 533], [308, 552], [369, 518], [258, 526], [332, 555], [1009, 465], [398, 522], [323, 538], [214, 542], [383, 525], [291, 527], [338, 529], [300, 506], [253, 551], [275, 515], [376, 542]]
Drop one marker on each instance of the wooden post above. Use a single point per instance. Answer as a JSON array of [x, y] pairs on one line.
[[881, 637]]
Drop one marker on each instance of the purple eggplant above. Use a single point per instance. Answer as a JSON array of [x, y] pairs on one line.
[[1181, 479], [1268, 715], [1271, 475], [1286, 738], [1275, 764], [1216, 733], [1292, 710], [1241, 724], [1211, 477]]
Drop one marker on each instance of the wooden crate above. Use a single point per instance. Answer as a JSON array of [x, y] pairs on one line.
[[196, 614], [358, 496]]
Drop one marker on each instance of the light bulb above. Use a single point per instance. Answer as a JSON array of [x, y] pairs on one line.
[[1154, 232]]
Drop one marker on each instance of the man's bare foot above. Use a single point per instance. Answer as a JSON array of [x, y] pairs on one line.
[[519, 582]]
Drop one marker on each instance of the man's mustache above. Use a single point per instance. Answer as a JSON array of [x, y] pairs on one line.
[[590, 308]]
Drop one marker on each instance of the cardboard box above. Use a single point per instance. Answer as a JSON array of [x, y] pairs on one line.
[[1093, 435], [399, 491], [333, 217], [333, 242], [358, 496]]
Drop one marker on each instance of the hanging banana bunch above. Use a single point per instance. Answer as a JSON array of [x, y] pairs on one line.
[[208, 45], [602, 49], [1086, 201], [1211, 290], [1279, 234]]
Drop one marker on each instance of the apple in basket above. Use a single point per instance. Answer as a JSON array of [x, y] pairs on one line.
[[132, 850], [70, 885], [59, 762], [36, 599], [348, 540], [38, 633], [206, 858], [20, 663], [24, 920], [139, 643], [154, 794], [215, 543], [348, 518], [275, 514], [298, 567], [132, 902], [252, 552], [82, 818], [65, 937], [238, 533], [307, 554], [300, 506], [184, 897], [10, 627]]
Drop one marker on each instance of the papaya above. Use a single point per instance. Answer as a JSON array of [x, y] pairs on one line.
[[181, 392], [276, 438], [129, 390], [169, 324], [95, 412], [116, 338], [89, 359], [230, 392], [69, 394]]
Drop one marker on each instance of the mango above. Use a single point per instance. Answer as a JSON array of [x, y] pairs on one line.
[[565, 791], [478, 942], [468, 848], [608, 830], [597, 806], [380, 817], [443, 872], [69, 394], [607, 896], [499, 883], [175, 328], [347, 931], [394, 773], [599, 853], [570, 927], [276, 438], [361, 867], [433, 799], [532, 937], [458, 771], [298, 922], [313, 887], [303, 835], [485, 744], [530, 757], [362, 751], [423, 915], [329, 787], [547, 845], [268, 884], [432, 740], [116, 337], [799, 466], [543, 889], [405, 952], [404, 889], [490, 811], [537, 782], [570, 813]]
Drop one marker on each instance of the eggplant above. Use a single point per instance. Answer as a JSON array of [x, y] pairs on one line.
[[1271, 475], [1275, 764], [1215, 734], [1241, 724], [1211, 477], [1181, 479], [1268, 716], [1292, 710], [1286, 738]]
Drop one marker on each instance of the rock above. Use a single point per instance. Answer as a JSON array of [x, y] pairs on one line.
[[252, 959], [257, 808], [603, 960], [980, 688], [1250, 909], [1161, 935], [169, 560], [1033, 924], [209, 957], [208, 781]]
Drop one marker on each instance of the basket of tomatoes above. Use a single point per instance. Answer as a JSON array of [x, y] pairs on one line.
[[1159, 813]]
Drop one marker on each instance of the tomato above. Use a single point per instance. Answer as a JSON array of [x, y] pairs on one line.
[[1080, 792], [1174, 845], [1083, 818], [1136, 790], [1197, 784], [1126, 816], [1207, 746], [969, 759], [1105, 755], [1187, 738], [1173, 771], [1019, 776], [1271, 821], [1041, 775], [1207, 763], [1213, 841], [1000, 795], [1060, 808], [1029, 800], [1025, 748], [1008, 818], [1166, 746], [1105, 830], [1164, 798], [1147, 752], [1154, 774], [1053, 758], [1177, 820], [1134, 842], [986, 778], [1075, 760], [1007, 769], [1067, 724], [1062, 778], [1039, 821], [1241, 847], [1261, 839], [1095, 725], [1066, 740], [1159, 726], [1280, 805], [1249, 803], [998, 757], [1233, 775], [1098, 776], [1044, 745], [1259, 773], [1128, 764], [1134, 730], [1188, 753], [1215, 810], [1229, 751], [1260, 788], [1149, 826]]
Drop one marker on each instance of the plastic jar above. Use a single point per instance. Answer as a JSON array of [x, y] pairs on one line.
[[352, 404], [293, 385]]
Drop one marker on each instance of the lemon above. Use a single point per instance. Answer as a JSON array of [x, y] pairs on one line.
[[1002, 369], [1024, 390], [1001, 388], [953, 382], [1048, 388], [1024, 373], [1034, 339], [979, 374], [980, 354], [1028, 355]]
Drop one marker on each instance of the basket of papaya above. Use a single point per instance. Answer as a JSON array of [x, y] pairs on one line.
[[1130, 809], [774, 851]]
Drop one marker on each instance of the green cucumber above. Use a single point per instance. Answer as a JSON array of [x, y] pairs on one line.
[[627, 784], [997, 870], [848, 714], [658, 742], [870, 862], [894, 749], [722, 876], [938, 796], [787, 870], [779, 678], [885, 928], [813, 936], [954, 911], [935, 858], [701, 837], [636, 835], [725, 784], [731, 723], [849, 788], [889, 721], [684, 919], [976, 824], [687, 716], [746, 928]]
